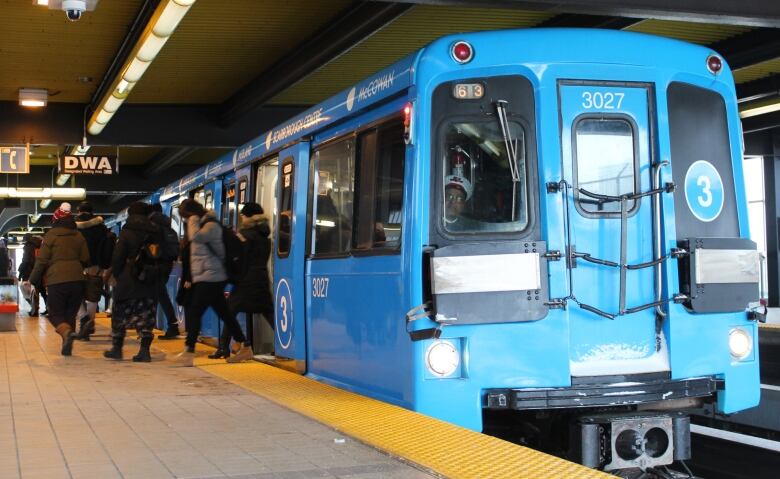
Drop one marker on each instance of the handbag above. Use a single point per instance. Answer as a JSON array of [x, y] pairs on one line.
[[183, 295], [94, 288], [26, 288]]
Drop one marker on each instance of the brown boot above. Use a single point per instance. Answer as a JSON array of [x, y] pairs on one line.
[[65, 331]]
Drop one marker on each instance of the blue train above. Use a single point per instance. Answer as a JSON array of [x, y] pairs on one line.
[[546, 225]]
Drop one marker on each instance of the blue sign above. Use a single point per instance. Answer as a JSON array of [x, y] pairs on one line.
[[704, 191], [14, 159], [284, 314]]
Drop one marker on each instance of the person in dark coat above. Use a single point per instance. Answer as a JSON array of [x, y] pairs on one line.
[[95, 232], [32, 245], [135, 302], [172, 330], [64, 255], [252, 294]]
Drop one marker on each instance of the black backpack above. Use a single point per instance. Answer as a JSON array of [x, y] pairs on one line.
[[170, 244], [148, 264], [235, 260]]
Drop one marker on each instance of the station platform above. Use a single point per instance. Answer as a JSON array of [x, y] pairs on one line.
[[87, 417]]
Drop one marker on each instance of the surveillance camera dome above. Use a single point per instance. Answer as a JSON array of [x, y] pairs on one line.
[[74, 9]]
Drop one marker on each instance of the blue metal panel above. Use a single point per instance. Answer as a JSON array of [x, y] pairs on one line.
[[289, 291]]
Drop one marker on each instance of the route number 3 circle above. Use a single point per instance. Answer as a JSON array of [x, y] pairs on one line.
[[704, 191]]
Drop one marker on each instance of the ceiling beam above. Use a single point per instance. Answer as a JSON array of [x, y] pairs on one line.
[[758, 89], [137, 125], [570, 20], [165, 160], [749, 48], [761, 122], [757, 13], [348, 28]]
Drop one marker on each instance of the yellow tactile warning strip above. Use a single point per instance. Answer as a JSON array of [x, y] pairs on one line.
[[440, 447]]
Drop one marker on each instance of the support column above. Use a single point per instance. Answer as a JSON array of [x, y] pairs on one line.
[[772, 218]]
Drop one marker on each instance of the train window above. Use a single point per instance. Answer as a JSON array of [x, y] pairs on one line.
[[229, 205], [285, 209], [199, 195], [334, 166], [606, 161], [484, 190], [380, 168], [242, 184]]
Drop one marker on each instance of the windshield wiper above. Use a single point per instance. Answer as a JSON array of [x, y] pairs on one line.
[[511, 149]]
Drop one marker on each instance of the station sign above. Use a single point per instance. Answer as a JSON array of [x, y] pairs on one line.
[[89, 165], [14, 159]]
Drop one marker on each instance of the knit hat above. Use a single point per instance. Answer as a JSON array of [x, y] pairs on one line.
[[62, 211], [455, 181], [251, 209]]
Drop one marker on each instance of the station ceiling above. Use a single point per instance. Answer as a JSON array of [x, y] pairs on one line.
[[234, 68]]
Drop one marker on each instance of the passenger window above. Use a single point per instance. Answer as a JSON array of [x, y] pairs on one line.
[[483, 190], [334, 191], [285, 209], [381, 172], [606, 162], [176, 222], [229, 205]]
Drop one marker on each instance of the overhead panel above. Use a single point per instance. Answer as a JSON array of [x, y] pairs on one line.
[[415, 29], [757, 71], [40, 48], [700, 33], [222, 45]]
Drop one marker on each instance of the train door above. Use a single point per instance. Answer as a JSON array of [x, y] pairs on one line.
[[210, 196], [607, 134], [229, 206], [289, 251], [266, 180]]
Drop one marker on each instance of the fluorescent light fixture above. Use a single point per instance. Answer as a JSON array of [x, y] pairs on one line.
[[759, 107], [44, 193], [62, 178], [45, 204], [42, 3], [33, 97], [76, 150], [164, 21]]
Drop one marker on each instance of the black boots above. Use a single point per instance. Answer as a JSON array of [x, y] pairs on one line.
[[143, 355], [223, 351], [86, 327], [66, 333], [171, 333], [117, 340]]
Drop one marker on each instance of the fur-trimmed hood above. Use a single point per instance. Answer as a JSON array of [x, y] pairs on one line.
[[88, 222]]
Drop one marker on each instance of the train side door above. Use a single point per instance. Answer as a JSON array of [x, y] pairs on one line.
[[289, 251], [265, 194], [606, 136]]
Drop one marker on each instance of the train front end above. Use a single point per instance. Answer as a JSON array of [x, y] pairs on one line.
[[587, 276]]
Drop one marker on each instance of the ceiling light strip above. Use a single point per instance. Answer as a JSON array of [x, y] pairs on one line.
[[161, 26]]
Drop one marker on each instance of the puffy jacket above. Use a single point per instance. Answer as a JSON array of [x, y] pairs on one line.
[[132, 236], [207, 252], [63, 257], [95, 232], [253, 292]]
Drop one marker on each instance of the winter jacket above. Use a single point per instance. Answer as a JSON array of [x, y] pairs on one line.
[[95, 232], [162, 222], [28, 257], [253, 292], [63, 257], [207, 252], [132, 236]]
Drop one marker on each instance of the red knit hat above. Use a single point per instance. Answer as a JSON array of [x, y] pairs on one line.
[[62, 212]]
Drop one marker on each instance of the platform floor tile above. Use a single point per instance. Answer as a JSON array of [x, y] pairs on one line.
[[86, 417]]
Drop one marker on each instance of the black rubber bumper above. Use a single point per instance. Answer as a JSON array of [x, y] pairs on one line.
[[599, 392]]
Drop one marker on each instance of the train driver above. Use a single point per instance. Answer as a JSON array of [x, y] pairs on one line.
[[457, 192]]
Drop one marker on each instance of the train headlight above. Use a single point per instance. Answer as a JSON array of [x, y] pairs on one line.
[[740, 343], [442, 358]]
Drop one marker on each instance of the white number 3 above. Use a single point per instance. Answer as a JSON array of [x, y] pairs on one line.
[[705, 200]]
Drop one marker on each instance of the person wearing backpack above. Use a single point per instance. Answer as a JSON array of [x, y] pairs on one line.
[[252, 293], [209, 276], [64, 255], [170, 254], [136, 266]]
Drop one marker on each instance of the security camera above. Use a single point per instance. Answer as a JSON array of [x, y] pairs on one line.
[[74, 8]]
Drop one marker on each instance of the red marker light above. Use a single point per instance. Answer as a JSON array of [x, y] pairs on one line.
[[407, 115], [714, 64], [462, 52]]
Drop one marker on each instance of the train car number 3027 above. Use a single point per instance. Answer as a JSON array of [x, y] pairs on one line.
[[320, 287]]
